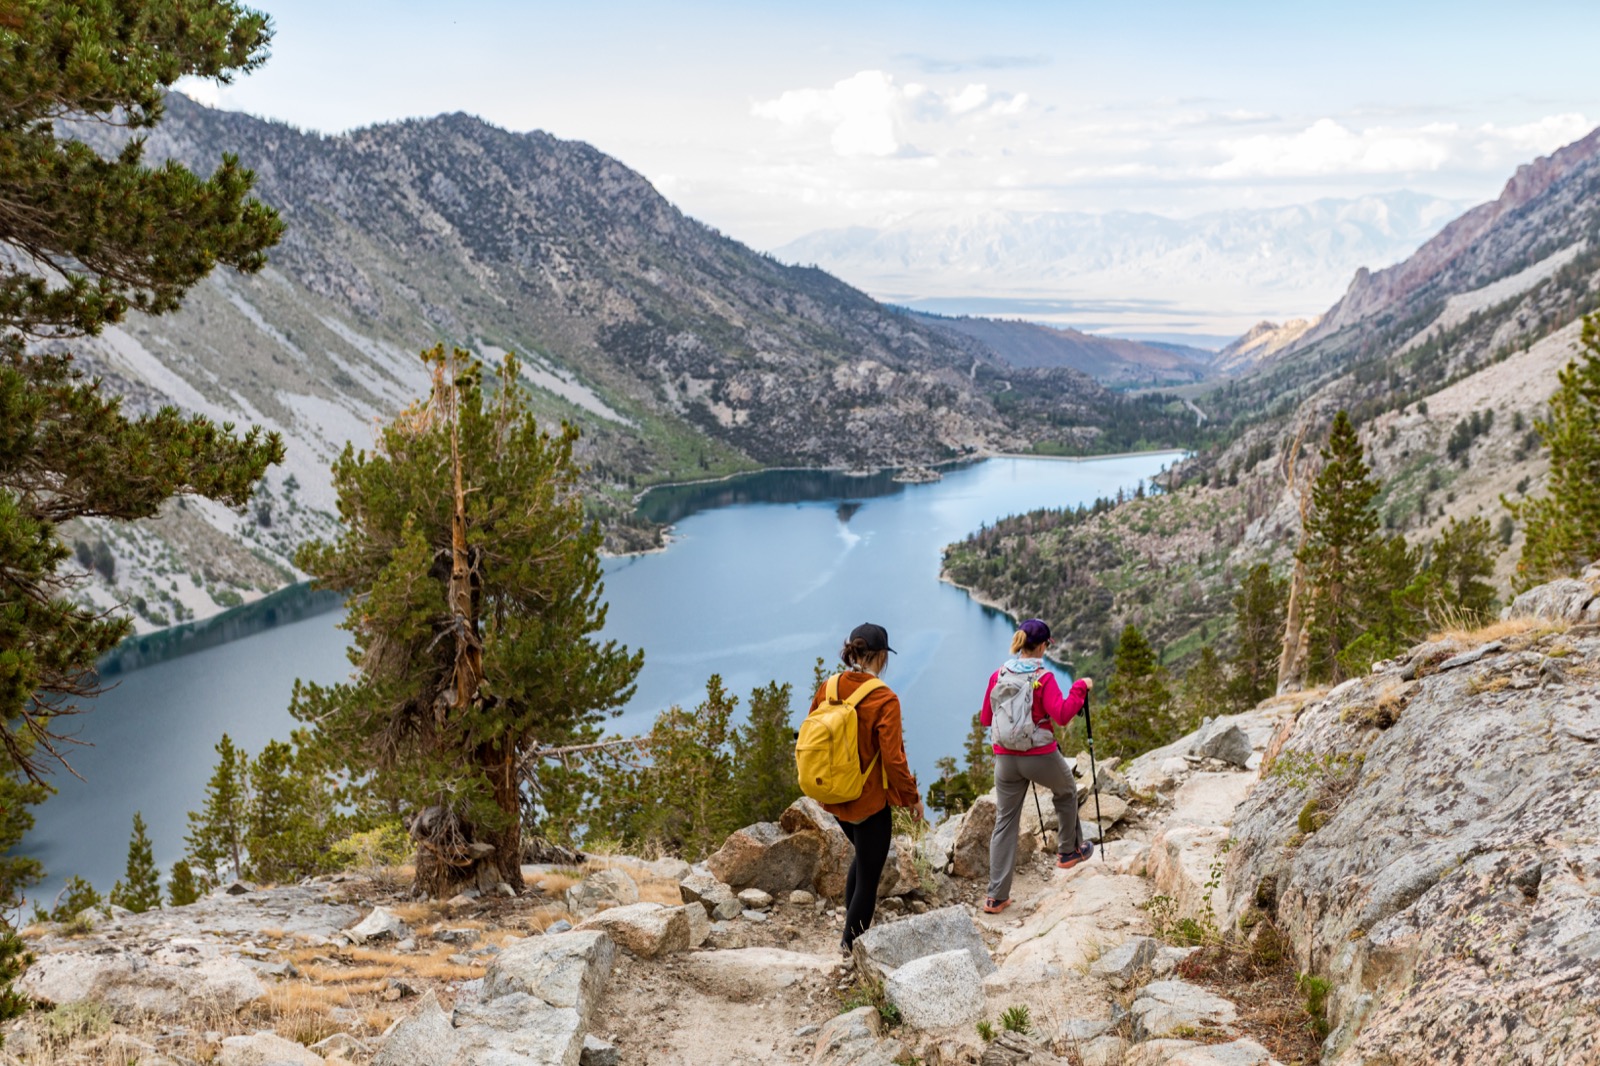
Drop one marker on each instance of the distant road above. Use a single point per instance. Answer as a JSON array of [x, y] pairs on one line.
[[1199, 415]]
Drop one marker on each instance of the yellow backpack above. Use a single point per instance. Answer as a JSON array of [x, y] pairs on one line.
[[826, 754]]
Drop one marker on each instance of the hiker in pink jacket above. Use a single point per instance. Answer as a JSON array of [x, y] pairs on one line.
[[1020, 706]]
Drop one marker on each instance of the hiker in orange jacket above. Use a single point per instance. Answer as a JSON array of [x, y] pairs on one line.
[[866, 819]]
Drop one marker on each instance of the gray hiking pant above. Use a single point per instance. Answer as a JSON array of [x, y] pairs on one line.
[[1013, 776]]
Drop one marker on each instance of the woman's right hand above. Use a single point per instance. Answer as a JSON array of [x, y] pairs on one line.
[[1088, 682]]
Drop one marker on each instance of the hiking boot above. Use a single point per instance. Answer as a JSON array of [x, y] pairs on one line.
[[995, 906], [1067, 862]]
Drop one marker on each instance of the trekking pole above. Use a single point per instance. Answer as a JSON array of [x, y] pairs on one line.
[[1094, 774], [1040, 812]]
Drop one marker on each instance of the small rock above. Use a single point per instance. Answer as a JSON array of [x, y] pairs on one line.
[[801, 898], [266, 1049], [807, 1030], [1103, 1051], [456, 936], [1231, 745], [560, 925], [754, 916], [238, 888], [602, 888], [461, 901], [597, 1052], [503, 889], [1119, 966], [341, 1044], [755, 899]]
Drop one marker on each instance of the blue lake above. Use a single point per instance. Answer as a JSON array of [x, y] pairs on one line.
[[764, 574]]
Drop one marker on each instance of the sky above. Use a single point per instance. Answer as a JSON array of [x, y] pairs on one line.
[[769, 121]]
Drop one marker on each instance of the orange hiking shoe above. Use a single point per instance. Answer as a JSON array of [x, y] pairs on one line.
[[995, 906], [1067, 862]]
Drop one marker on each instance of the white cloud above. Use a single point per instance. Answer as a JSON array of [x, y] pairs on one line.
[[1329, 148], [201, 90], [870, 114]]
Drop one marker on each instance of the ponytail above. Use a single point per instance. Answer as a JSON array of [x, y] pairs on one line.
[[1020, 646]]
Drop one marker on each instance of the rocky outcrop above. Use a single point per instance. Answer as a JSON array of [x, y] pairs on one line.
[[1425, 840]]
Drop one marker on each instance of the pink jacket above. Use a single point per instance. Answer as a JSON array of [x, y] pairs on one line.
[[1049, 705]]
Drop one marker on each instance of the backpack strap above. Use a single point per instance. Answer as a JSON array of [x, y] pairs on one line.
[[871, 684]]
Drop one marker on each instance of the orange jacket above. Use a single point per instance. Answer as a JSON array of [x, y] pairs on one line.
[[877, 732]]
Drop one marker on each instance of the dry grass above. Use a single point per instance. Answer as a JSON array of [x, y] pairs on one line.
[[1502, 630], [1271, 1005], [556, 884]]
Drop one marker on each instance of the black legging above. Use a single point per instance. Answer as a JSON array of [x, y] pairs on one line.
[[870, 838]]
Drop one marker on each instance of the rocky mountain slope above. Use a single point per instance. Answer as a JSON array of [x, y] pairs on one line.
[[1112, 361], [1260, 343], [1215, 272], [680, 352], [1444, 378], [1400, 870]]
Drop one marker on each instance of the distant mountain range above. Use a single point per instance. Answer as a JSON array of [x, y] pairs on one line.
[[1130, 273]]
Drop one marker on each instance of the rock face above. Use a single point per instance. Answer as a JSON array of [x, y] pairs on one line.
[[1428, 846]]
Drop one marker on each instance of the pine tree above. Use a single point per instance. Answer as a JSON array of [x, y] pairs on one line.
[[140, 888], [17, 872], [182, 888], [980, 756], [1459, 560], [1341, 538], [216, 834], [1204, 692], [1562, 527], [1258, 629], [83, 241], [763, 758], [477, 582], [1138, 714], [292, 820], [75, 897]]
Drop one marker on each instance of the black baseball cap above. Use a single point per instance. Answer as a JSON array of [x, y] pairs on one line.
[[874, 636]]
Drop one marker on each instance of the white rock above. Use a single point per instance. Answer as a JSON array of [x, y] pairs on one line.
[[266, 1049], [568, 970], [755, 899], [381, 924], [602, 888], [889, 947], [937, 991], [643, 929], [426, 1038]]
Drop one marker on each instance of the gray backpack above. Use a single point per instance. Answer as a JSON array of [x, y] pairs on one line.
[[1011, 705]]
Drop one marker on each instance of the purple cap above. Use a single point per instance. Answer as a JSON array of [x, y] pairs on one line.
[[1036, 631], [875, 637]]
